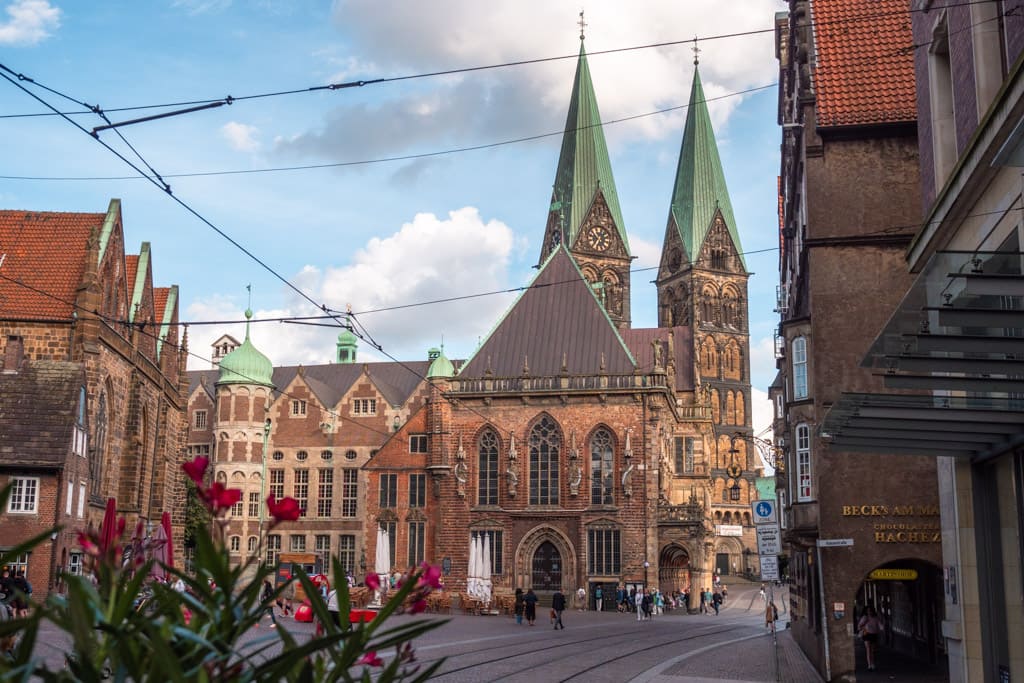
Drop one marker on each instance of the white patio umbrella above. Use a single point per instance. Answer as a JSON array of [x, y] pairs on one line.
[[473, 574], [382, 561], [485, 569]]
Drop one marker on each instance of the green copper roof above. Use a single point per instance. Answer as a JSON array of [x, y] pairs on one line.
[[700, 181], [246, 365], [583, 164], [441, 366]]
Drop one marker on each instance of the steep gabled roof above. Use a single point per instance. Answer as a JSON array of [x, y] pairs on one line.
[[583, 163], [558, 315], [137, 280], [700, 188], [37, 413], [44, 255], [639, 342], [165, 300], [864, 71]]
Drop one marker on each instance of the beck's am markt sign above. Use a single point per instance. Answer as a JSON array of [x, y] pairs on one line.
[[900, 523]]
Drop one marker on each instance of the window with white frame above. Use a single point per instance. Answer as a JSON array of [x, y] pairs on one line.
[[298, 543], [199, 419], [780, 406], [235, 544], [254, 503], [238, 508], [349, 492], [80, 512], [24, 495], [799, 368], [70, 502], [75, 564], [273, 548], [252, 544], [364, 406], [298, 408], [347, 552], [803, 463]]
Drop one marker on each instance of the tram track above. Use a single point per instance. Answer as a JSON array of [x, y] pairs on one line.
[[616, 642]]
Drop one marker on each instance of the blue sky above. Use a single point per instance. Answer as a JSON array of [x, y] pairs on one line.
[[389, 233]]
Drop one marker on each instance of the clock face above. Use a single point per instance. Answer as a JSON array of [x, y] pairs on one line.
[[599, 238]]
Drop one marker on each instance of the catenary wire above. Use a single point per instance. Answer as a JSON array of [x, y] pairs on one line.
[[450, 72]]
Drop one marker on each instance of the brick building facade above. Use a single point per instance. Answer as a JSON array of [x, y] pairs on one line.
[[72, 298]]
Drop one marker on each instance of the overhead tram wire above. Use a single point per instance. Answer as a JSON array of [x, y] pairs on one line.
[[455, 150], [162, 185], [141, 328], [229, 99]]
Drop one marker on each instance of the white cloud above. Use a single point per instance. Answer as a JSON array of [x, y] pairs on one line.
[[195, 7], [646, 253], [30, 22], [400, 38], [762, 361], [427, 259], [241, 136]]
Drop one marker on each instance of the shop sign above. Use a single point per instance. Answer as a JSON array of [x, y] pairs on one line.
[[728, 530], [893, 575]]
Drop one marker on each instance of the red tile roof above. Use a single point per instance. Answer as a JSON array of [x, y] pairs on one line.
[[131, 267], [865, 62], [44, 256], [160, 295]]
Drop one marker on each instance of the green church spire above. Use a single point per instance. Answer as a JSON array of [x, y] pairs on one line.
[[583, 163], [700, 186]]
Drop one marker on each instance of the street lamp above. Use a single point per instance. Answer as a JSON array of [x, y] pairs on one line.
[[263, 474]]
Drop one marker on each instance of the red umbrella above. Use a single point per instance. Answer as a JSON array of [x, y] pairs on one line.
[[108, 530], [165, 522]]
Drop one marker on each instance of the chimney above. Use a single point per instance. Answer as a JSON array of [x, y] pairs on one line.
[[14, 353]]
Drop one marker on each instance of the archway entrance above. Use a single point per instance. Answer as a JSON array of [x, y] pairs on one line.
[[673, 570], [547, 568], [908, 596]]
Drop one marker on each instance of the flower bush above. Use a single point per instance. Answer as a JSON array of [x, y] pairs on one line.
[[123, 624]]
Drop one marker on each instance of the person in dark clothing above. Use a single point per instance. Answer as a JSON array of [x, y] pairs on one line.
[[558, 605], [530, 606], [632, 599], [21, 592], [645, 605], [716, 601], [519, 606], [267, 594]]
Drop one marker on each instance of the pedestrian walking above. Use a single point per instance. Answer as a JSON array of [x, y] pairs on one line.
[[519, 606], [332, 607], [620, 598], [638, 604], [266, 596], [725, 593], [631, 605], [581, 599], [869, 627], [599, 598], [645, 604], [704, 601], [716, 601], [771, 615], [558, 606], [530, 606]]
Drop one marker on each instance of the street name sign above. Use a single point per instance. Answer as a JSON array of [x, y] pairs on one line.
[[834, 542], [764, 512], [768, 540]]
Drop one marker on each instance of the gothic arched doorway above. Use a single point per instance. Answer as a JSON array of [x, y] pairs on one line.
[[547, 568], [673, 570]]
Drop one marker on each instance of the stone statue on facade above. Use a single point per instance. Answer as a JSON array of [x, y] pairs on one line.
[[461, 471], [511, 474]]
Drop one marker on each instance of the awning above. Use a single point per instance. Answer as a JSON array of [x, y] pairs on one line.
[[958, 335]]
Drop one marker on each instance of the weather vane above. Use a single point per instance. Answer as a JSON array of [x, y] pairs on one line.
[[696, 52], [582, 24]]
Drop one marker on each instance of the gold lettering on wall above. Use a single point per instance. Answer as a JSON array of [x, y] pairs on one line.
[[900, 531]]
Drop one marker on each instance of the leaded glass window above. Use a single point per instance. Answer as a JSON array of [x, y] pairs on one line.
[[545, 443], [487, 478], [601, 467]]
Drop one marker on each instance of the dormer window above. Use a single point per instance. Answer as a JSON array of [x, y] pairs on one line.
[[364, 406], [298, 408]]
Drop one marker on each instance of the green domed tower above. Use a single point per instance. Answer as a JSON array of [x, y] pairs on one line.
[[347, 343], [440, 366], [246, 365]]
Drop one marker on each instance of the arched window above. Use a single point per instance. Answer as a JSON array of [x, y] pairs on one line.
[[252, 544], [741, 408], [602, 460], [545, 443], [487, 482], [716, 407], [730, 408], [99, 450]]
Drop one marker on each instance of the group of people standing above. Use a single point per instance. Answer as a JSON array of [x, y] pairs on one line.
[[713, 599]]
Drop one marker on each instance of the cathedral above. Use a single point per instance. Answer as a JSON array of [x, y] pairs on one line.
[[585, 451]]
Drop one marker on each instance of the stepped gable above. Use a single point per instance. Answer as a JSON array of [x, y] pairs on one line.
[[862, 75], [46, 253], [557, 316], [639, 343], [38, 404]]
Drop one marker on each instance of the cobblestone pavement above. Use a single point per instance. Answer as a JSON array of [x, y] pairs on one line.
[[612, 647]]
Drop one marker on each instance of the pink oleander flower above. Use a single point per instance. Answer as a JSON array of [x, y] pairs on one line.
[[431, 576], [196, 470], [371, 659], [284, 510], [221, 498], [372, 581], [418, 607]]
